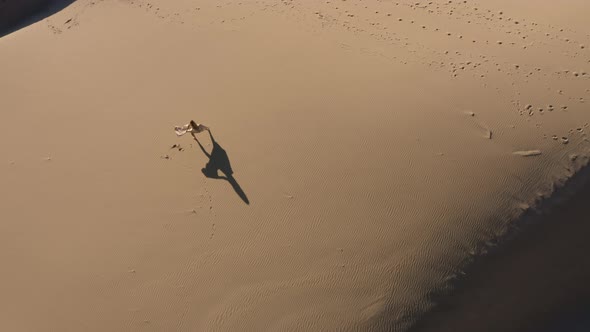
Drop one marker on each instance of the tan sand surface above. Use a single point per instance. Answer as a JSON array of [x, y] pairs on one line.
[[381, 146], [535, 281]]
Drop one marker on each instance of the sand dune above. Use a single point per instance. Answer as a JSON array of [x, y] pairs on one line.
[[12, 11], [16, 14], [535, 280], [380, 147]]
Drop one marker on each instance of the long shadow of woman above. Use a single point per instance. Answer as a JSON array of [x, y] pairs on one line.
[[219, 161]]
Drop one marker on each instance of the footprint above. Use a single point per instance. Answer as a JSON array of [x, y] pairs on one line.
[[528, 153], [487, 132]]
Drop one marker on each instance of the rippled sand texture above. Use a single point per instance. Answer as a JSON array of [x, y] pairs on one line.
[[381, 145]]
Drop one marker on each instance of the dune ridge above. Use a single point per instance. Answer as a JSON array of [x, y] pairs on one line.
[[14, 12], [532, 278]]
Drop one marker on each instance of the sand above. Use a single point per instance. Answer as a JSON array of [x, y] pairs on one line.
[[536, 280], [377, 149]]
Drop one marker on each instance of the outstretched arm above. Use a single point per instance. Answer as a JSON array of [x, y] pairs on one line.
[[201, 146], [211, 135]]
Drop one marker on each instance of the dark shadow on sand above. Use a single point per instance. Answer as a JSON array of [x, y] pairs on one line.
[[18, 14], [219, 161]]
